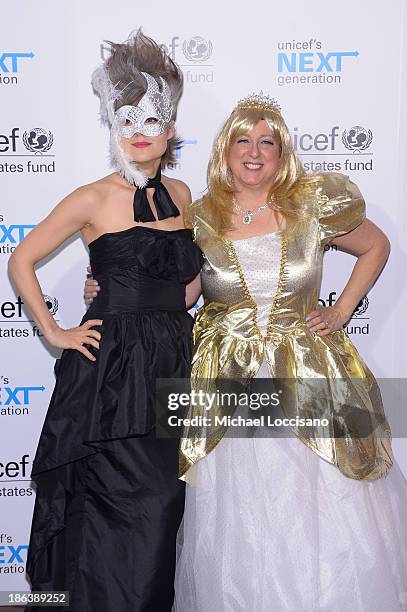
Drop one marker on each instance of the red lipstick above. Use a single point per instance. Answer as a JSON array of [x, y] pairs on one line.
[[141, 145]]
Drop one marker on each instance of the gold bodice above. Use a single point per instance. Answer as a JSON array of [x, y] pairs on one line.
[[228, 343]]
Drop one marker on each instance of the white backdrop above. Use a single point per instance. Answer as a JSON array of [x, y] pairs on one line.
[[338, 72]]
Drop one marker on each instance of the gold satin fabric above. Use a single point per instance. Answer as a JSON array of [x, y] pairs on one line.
[[228, 343]]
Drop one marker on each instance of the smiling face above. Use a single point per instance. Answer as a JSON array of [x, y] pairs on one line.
[[254, 157]]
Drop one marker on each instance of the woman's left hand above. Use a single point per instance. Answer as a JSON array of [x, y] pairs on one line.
[[325, 320]]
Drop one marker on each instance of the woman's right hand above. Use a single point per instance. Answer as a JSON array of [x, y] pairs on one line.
[[76, 337], [91, 288]]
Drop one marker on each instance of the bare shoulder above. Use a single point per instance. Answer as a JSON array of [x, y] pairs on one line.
[[176, 184], [98, 189], [179, 189], [93, 194]]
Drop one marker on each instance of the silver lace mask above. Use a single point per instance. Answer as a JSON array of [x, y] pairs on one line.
[[152, 115]]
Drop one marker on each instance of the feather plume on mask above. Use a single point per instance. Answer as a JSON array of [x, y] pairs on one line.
[[108, 94], [133, 68]]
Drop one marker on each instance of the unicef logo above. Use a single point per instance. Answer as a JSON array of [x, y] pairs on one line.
[[52, 303], [361, 307], [197, 49], [38, 140], [357, 139]]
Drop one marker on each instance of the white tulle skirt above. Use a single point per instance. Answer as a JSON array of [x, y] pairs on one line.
[[269, 526]]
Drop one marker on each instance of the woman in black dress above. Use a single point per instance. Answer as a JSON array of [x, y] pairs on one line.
[[109, 502]]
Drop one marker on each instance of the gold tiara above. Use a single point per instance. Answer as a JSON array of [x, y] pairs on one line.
[[261, 101]]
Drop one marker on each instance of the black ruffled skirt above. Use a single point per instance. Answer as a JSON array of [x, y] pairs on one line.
[[109, 502]]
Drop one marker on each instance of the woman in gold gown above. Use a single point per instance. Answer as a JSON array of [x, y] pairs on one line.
[[311, 521]]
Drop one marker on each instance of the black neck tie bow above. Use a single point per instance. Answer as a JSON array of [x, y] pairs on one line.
[[164, 205]]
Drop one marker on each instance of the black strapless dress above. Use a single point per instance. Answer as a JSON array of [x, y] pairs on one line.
[[109, 502]]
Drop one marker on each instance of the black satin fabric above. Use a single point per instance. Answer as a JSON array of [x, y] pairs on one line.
[[164, 205], [109, 502]]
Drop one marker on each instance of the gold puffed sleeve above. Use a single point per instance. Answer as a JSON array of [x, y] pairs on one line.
[[341, 206]]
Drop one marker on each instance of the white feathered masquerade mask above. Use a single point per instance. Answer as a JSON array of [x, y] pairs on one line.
[[151, 117]]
